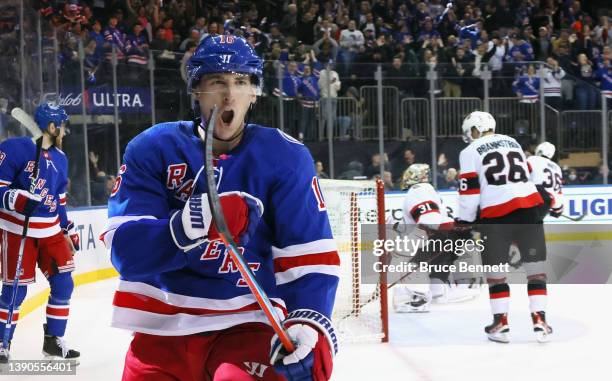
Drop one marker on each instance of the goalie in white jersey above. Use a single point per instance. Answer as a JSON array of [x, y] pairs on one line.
[[548, 178], [427, 217], [495, 189]]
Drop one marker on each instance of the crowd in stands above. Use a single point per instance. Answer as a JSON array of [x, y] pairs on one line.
[[326, 48], [455, 37]]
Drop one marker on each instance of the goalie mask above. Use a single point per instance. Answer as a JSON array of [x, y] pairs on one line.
[[415, 174], [481, 121]]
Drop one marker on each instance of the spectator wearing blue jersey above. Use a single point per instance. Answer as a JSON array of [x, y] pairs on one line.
[[291, 83], [520, 51], [604, 76], [308, 93], [472, 33], [137, 46], [527, 86], [113, 36], [527, 89]]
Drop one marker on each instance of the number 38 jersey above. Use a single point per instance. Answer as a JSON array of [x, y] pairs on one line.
[[495, 178], [547, 173]]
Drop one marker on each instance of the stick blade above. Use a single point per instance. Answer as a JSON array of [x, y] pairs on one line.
[[26, 120]]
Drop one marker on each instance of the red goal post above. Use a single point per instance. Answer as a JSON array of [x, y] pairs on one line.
[[361, 310]]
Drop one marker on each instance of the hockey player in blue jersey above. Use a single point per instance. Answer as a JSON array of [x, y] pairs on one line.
[[180, 292], [49, 234]]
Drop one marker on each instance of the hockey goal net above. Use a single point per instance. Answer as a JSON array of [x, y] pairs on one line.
[[360, 311]]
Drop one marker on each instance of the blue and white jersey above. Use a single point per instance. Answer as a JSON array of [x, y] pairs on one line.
[[524, 48], [17, 156], [165, 291], [604, 75], [528, 87]]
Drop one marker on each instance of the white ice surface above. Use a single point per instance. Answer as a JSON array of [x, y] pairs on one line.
[[447, 343]]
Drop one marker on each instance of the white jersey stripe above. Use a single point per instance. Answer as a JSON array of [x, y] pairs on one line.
[[189, 301], [314, 247], [182, 324], [298, 272]]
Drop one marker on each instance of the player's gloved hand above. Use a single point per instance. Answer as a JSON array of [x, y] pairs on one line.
[[462, 226], [71, 233], [315, 345], [556, 212], [194, 224], [21, 201]]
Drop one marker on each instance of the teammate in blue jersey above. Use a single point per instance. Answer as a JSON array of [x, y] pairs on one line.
[[49, 234], [180, 292]]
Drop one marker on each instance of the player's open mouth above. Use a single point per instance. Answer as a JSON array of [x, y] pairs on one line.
[[227, 116]]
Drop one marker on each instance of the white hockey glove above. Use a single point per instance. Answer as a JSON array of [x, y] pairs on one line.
[[193, 225], [315, 345]]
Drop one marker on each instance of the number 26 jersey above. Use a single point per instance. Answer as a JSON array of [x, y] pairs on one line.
[[495, 178]]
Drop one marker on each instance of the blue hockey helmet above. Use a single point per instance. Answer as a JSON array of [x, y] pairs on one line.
[[224, 54], [49, 112]]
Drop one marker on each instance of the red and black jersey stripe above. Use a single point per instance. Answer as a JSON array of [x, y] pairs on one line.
[[469, 183], [423, 208]]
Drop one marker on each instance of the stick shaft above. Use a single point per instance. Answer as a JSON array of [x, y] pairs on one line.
[[219, 218], [24, 235]]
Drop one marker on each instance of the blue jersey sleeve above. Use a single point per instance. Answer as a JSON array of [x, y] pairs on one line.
[[306, 262], [138, 234], [12, 161]]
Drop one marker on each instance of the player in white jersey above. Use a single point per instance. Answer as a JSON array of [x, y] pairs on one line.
[[547, 176], [495, 189], [423, 207]]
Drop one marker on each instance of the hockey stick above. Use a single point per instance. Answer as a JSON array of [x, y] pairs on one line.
[[26, 120], [24, 234], [575, 219], [219, 219], [376, 294]]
